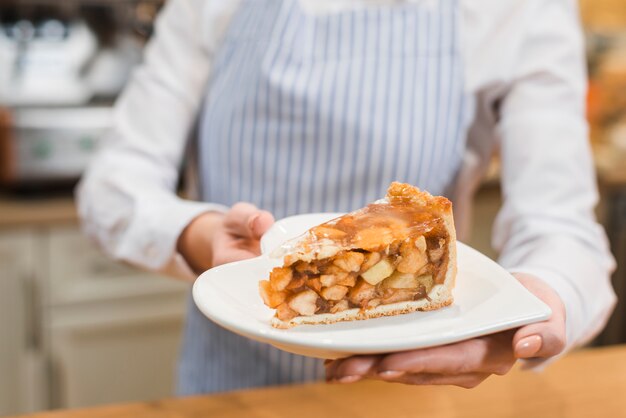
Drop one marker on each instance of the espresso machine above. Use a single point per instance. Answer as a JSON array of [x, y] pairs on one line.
[[62, 65]]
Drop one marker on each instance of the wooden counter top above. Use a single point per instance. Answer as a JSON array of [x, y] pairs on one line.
[[36, 211], [590, 383]]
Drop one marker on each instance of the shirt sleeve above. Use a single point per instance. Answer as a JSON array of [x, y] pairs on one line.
[[547, 225], [127, 198]]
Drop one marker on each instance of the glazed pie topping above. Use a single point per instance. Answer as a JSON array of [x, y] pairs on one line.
[[391, 251]]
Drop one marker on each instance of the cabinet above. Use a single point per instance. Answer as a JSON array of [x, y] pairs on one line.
[[95, 363], [78, 329], [20, 355]]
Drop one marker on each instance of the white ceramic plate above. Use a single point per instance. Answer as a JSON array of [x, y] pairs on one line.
[[487, 299]]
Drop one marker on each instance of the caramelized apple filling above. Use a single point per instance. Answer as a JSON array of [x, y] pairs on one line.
[[402, 271]]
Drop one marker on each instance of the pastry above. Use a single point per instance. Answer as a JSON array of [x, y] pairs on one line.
[[395, 256]]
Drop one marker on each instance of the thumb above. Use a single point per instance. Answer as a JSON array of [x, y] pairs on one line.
[[260, 223], [543, 339], [247, 221]]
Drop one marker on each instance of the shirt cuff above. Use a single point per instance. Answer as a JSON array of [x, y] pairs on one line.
[[153, 240]]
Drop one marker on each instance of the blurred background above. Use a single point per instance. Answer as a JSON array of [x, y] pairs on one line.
[[77, 329]]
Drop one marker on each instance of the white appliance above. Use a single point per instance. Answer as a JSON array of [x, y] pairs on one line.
[[42, 64], [50, 144]]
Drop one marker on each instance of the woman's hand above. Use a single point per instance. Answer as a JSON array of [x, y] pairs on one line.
[[466, 363], [212, 239]]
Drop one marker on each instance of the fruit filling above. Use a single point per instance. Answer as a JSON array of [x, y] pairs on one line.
[[402, 270]]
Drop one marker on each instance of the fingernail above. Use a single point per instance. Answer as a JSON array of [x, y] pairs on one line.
[[528, 346], [390, 374], [350, 379], [252, 220]]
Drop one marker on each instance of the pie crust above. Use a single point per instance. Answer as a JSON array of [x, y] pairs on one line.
[[394, 256]]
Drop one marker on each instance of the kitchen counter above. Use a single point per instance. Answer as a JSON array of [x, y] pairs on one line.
[[587, 383], [18, 212]]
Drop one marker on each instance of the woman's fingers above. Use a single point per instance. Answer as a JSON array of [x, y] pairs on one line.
[[480, 356], [232, 254], [227, 238], [351, 369], [466, 363], [247, 221], [228, 248], [465, 380], [491, 354], [488, 355], [543, 339], [259, 224]]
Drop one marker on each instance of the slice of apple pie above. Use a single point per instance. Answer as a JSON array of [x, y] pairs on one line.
[[394, 256]]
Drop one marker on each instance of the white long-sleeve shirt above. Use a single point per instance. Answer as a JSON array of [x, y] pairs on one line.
[[524, 66]]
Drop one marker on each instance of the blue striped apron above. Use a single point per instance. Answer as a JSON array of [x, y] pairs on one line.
[[311, 113]]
